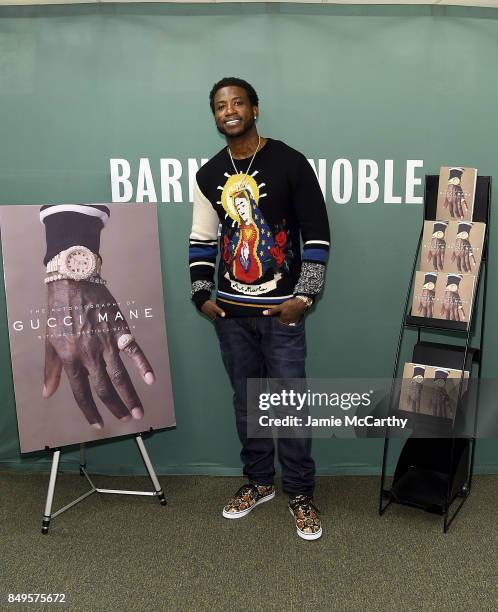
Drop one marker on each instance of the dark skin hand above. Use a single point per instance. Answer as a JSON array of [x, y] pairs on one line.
[[463, 255], [92, 361], [436, 253], [415, 394], [440, 400], [426, 304], [211, 309], [452, 308], [455, 201], [290, 311]]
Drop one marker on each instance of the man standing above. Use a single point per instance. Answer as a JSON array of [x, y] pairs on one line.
[[266, 197]]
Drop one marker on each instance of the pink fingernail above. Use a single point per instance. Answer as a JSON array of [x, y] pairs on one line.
[[125, 418], [137, 413], [149, 378], [97, 426]]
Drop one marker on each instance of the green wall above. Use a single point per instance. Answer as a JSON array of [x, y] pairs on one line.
[[82, 84]]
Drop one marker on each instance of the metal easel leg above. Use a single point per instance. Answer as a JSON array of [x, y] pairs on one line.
[[158, 492], [50, 493], [150, 469], [82, 460]]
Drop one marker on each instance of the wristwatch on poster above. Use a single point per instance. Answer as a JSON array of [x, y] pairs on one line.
[[438, 229], [453, 282], [464, 230], [307, 300], [76, 263], [418, 374]]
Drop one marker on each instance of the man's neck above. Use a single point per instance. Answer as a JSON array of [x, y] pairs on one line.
[[245, 146]]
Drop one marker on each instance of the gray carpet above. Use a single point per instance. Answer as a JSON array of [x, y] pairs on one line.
[[129, 553]]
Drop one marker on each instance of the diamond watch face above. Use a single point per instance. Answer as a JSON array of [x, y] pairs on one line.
[[79, 263]]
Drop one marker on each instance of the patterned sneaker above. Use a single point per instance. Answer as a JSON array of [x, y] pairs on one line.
[[247, 498], [305, 513]]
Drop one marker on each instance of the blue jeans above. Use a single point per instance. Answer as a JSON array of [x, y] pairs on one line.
[[264, 347]]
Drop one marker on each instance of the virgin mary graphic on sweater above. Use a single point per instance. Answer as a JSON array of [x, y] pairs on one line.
[[246, 252]]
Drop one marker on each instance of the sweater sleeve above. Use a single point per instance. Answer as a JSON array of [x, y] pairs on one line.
[[315, 234], [203, 248], [68, 225]]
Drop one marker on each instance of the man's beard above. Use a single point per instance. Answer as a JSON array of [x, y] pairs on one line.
[[246, 129]]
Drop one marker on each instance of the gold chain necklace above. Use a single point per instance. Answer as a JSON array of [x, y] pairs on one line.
[[244, 184]]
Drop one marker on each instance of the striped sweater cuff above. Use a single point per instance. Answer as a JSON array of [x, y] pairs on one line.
[[202, 261], [316, 251]]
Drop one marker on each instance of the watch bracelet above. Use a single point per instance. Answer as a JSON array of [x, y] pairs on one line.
[[97, 279]]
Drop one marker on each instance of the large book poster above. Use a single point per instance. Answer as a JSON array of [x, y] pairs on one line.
[[87, 333], [456, 192]]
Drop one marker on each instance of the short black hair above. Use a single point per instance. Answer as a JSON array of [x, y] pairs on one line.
[[234, 82]]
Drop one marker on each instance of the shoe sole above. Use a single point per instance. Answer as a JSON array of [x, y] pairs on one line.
[[236, 515], [307, 536]]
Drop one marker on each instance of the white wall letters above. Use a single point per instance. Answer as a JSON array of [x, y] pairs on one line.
[[342, 181]]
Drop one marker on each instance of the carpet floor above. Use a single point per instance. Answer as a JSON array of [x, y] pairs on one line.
[[131, 553]]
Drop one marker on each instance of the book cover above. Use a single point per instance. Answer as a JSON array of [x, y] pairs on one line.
[[456, 192], [454, 297], [452, 246], [431, 390], [439, 295], [74, 379]]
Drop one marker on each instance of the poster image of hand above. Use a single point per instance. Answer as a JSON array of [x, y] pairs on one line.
[[439, 398], [431, 390], [465, 242], [456, 193], [452, 246], [424, 294], [92, 360], [454, 296], [463, 253], [434, 246], [443, 296], [86, 322], [441, 391], [411, 387]]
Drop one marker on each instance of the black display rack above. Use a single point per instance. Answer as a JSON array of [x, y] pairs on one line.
[[433, 473]]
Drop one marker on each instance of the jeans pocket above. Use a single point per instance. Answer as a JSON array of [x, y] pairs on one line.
[[292, 327]]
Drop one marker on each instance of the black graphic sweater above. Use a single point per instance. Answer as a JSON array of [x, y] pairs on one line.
[[255, 220]]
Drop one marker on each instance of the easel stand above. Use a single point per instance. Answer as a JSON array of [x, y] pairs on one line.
[[49, 515], [434, 473]]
